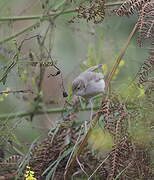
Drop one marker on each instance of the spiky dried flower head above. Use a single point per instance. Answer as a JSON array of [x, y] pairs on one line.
[[94, 11]]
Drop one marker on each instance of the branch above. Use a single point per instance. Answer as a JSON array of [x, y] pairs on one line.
[[41, 112], [118, 60], [40, 17], [43, 17], [19, 33], [33, 17], [17, 91]]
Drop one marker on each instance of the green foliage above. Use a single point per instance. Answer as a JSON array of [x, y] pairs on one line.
[[100, 139]]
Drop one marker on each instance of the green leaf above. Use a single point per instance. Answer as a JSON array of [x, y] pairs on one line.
[[54, 165]]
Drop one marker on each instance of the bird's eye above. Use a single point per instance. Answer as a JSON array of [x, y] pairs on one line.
[[78, 87]]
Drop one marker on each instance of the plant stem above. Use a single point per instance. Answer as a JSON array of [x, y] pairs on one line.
[[42, 17], [41, 112], [118, 60], [33, 17], [81, 147], [19, 33], [114, 3]]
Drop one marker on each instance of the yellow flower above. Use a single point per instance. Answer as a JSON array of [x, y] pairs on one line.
[[122, 63], [116, 73], [100, 140], [30, 178], [104, 68], [1, 98], [29, 175], [7, 89], [141, 92]]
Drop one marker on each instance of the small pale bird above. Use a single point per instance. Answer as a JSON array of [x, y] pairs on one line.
[[89, 83]]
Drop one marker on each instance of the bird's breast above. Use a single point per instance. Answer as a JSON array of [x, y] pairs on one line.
[[94, 87]]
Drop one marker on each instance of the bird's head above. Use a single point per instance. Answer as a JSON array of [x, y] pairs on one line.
[[78, 87]]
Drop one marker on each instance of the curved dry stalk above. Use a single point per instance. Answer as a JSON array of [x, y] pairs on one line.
[[81, 146], [98, 114], [98, 167], [118, 60]]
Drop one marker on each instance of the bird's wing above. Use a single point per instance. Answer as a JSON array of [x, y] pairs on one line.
[[92, 76], [93, 68]]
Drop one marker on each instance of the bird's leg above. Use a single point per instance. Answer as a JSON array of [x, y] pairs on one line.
[[86, 126], [91, 107], [81, 103]]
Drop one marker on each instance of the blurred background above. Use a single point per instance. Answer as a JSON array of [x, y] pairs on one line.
[[73, 47]]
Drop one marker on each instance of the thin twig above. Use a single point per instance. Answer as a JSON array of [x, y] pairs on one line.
[[98, 167], [117, 177], [81, 147], [18, 91], [76, 143], [43, 17], [114, 3], [82, 167], [41, 112], [118, 60], [20, 32], [40, 17]]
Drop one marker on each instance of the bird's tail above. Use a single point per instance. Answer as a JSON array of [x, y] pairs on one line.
[[93, 68]]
